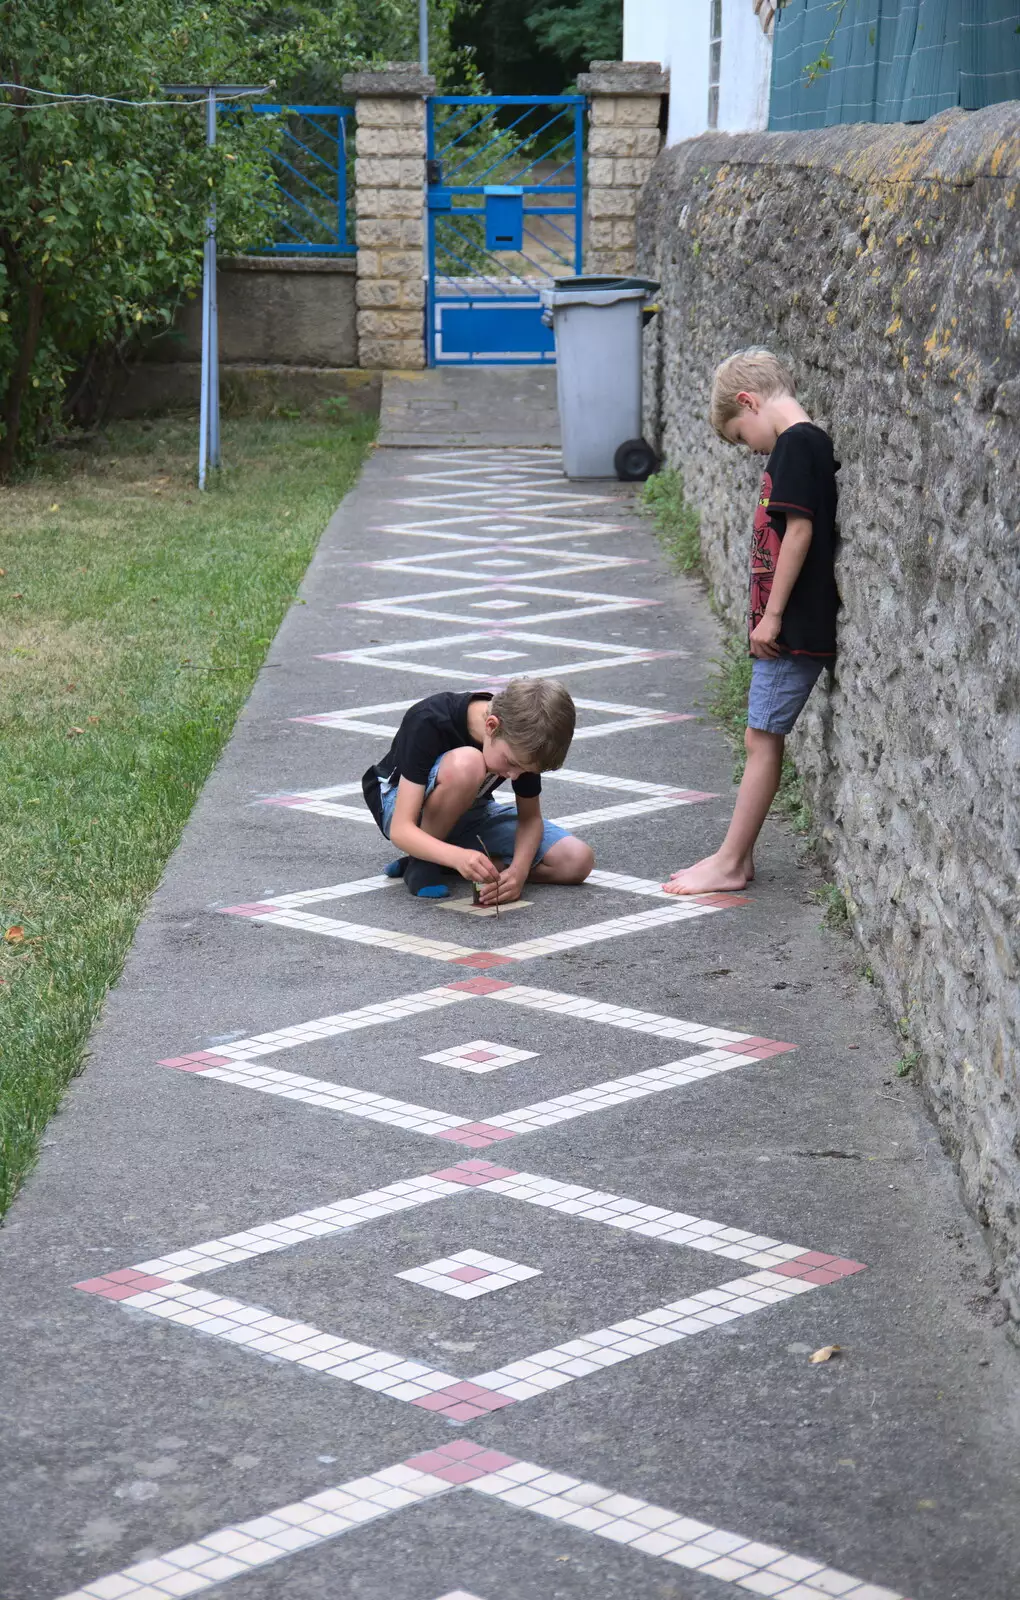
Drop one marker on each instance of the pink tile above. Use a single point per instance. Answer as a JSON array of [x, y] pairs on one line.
[[211, 1059], [246, 911], [432, 1402], [124, 1275], [493, 1460], [428, 1461], [484, 958], [461, 1411], [479, 1055], [844, 1267], [473, 1172], [476, 1135], [458, 1175], [814, 1258], [459, 1472], [459, 1449], [791, 1269], [465, 1390], [93, 1285], [119, 1291], [479, 985], [143, 1282], [467, 1274], [184, 1062], [820, 1275], [760, 1048], [493, 1402]]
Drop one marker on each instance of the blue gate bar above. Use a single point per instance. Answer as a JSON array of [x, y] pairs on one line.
[[331, 219], [485, 271]]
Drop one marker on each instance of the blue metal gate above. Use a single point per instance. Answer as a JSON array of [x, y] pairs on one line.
[[505, 217]]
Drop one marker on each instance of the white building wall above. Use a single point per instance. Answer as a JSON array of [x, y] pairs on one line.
[[676, 33]]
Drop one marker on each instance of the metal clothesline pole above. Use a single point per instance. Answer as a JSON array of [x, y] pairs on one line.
[[209, 403], [209, 413], [423, 34]]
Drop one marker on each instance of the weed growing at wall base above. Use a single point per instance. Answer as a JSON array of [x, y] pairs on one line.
[[677, 523], [134, 615]]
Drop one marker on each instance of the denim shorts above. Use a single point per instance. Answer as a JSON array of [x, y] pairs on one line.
[[494, 824], [780, 686]]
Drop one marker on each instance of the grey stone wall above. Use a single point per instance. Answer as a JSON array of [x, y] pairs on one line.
[[293, 311], [288, 335], [883, 262]]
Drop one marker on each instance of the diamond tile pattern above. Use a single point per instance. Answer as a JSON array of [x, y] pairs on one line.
[[480, 1055], [469, 1273]]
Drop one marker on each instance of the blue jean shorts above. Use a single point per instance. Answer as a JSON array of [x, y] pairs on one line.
[[494, 824], [780, 686]]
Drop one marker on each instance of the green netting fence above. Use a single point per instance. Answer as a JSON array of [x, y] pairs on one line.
[[891, 60]]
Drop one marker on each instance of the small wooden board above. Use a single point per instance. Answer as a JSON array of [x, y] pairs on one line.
[[471, 910]]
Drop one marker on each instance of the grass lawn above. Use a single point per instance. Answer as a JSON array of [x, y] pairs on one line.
[[134, 616]]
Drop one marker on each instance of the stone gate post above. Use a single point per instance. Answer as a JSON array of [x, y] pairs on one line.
[[624, 138], [389, 203]]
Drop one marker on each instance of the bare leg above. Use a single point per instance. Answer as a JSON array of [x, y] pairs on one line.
[[569, 860], [460, 773], [732, 865]]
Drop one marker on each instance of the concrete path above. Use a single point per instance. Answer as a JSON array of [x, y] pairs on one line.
[[389, 1252]]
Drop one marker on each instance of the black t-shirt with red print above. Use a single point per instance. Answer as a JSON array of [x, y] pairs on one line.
[[799, 481]]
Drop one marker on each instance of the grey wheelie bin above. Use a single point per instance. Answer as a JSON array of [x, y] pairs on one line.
[[597, 323]]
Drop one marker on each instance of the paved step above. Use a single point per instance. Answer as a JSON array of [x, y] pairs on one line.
[[483, 407]]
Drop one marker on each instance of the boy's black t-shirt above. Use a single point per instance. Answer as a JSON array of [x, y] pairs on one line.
[[799, 481], [427, 730]]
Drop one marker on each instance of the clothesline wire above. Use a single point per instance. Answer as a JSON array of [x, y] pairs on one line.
[[56, 101]]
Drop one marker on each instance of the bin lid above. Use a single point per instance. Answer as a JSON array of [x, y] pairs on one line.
[[595, 290]]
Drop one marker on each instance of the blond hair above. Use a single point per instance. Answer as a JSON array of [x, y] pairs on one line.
[[754, 371], [536, 718]]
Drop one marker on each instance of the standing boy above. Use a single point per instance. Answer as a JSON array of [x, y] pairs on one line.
[[794, 600], [431, 793]]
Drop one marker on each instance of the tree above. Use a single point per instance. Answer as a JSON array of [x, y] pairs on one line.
[[103, 206], [537, 46]]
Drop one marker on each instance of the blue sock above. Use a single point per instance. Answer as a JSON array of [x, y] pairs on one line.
[[424, 880]]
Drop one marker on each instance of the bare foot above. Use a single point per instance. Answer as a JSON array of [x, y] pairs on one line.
[[711, 876]]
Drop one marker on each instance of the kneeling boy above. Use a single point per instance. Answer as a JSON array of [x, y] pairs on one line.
[[431, 793]]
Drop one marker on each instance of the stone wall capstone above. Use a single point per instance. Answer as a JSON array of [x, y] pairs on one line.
[[884, 263]]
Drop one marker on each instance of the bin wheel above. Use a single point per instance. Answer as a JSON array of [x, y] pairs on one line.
[[635, 461]]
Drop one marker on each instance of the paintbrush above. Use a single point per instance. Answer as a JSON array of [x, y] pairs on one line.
[[484, 846]]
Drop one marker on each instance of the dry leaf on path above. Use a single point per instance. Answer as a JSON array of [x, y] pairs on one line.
[[72, 733], [14, 935], [824, 1354]]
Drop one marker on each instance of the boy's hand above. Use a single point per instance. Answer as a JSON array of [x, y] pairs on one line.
[[508, 888], [764, 636], [476, 868]]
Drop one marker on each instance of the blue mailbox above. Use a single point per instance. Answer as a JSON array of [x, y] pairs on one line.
[[504, 217]]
